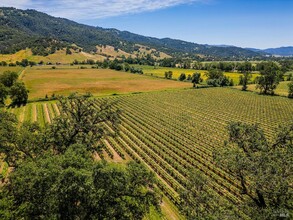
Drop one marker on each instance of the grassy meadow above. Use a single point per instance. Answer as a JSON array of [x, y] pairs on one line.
[[63, 80], [282, 88]]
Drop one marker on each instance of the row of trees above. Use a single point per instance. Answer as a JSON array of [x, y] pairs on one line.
[[284, 66], [195, 78], [23, 63], [55, 175], [9, 86], [114, 64]]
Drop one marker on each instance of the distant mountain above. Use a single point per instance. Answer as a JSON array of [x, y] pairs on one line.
[[20, 29], [280, 51], [253, 49]]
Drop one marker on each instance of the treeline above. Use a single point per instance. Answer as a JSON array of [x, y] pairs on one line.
[[118, 65], [23, 63], [284, 65]]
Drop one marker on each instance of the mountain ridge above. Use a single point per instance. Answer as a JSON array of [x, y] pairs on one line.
[[20, 29]]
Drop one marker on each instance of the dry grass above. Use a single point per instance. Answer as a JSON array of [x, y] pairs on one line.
[[110, 51], [60, 57], [17, 69], [42, 81]]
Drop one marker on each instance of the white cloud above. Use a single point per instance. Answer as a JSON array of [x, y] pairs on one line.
[[17, 4], [93, 9]]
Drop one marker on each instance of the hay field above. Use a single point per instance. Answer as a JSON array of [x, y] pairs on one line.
[[42, 81]]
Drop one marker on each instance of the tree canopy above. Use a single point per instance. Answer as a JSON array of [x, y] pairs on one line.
[[269, 79], [55, 175], [18, 94], [8, 78]]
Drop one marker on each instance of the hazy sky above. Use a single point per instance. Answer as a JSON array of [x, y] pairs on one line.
[[245, 23]]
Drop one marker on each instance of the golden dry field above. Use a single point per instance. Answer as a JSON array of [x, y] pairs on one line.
[[63, 80]]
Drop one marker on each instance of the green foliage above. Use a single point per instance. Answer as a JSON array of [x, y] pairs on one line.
[[168, 74], [196, 79], [59, 179], [81, 121], [198, 201], [73, 186], [214, 74], [216, 77], [68, 51], [244, 80], [31, 29], [182, 77], [18, 94], [263, 168], [290, 90], [115, 65], [8, 137], [126, 67], [8, 78], [136, 70], [269, 79], [131, 191], [3, 94], [19, 143]]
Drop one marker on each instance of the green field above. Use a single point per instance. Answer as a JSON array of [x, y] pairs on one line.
[[173, 131], [160, 72]]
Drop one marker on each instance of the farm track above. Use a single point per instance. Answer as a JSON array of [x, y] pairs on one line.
[[174, 131]]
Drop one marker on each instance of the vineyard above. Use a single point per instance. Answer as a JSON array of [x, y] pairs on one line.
[[174, 131]]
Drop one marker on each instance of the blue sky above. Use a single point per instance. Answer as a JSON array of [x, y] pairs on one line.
[[244, 23]]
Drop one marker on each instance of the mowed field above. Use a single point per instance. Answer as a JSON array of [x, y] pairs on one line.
[[174, 131], [42, 81], [160, 72]]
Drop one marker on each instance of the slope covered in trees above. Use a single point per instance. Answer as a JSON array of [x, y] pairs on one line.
[[44, 34]]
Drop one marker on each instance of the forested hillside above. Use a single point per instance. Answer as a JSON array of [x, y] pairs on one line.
[[44, 34]]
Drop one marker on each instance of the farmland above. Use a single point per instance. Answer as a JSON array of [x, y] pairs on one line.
[[173, 131], [42, 81], [160, 72]]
